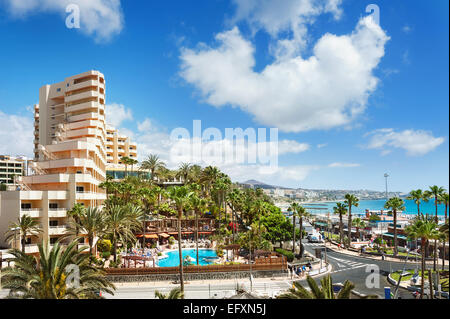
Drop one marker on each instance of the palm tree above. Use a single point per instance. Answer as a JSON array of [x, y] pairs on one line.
[[443, 199], [425, 229], [47, 276], [293, 208], [180, 195], [26, 226], [444, 236], [184, 171], [75, 213], [91, 223], [359, 223], [436, 192], [126, 161], [199, 205], [416, 196], [341, 210], [175, 293], [119, 225], [395, 204], [350, 200], [324, 292], [154, 164], [301, 213]]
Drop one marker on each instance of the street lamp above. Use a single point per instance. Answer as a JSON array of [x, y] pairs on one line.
[[386, 177], [250, 258]]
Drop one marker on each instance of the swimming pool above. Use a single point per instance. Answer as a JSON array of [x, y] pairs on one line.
[[172, 259]]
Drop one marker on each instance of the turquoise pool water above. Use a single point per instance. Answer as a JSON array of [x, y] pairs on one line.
[[203, 254]]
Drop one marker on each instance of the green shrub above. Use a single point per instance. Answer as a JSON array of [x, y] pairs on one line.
[[106, 254], [104, 245], [288, 254], [171, 240]]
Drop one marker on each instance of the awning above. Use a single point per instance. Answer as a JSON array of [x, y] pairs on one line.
[[204, 232], [164, 235], [173, 233], [321, 224], [148, 236], [392, 235]]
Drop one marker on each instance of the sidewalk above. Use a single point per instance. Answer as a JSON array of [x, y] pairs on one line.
[[333, 247]]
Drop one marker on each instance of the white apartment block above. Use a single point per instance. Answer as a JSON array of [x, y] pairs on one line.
[[71, 158]]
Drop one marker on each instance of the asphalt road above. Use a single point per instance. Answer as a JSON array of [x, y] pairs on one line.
[[357, 269]]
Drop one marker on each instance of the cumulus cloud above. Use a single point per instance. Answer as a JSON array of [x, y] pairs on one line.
[[343, 165], [101, 19], [287, 16], [327, 90], [117, 113], [414, 142], [16, 134]]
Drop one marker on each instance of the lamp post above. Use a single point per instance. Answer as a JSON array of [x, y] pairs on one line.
[[386, 177], [250, 258]]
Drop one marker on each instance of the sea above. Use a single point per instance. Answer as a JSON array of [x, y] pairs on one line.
[[320, 208]]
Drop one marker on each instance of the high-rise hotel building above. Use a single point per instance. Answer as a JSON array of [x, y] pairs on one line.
[[70, 150]]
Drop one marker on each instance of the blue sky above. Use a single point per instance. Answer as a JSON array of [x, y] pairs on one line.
[[351, 99]]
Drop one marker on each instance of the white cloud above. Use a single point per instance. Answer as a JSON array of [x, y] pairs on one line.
[[322, 145], [343, 165], [101, 19], [117, 113], [16, 134], [277, 17], [415, 143], [327, 90]]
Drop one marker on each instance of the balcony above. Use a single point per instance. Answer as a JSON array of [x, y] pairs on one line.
[[31, 249], [90, 196], [82, 106], [57, 230], [80, 96], [32, 212], [83, 84], [57, 212]]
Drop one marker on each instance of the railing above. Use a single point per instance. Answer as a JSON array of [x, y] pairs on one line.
[[195, 269]]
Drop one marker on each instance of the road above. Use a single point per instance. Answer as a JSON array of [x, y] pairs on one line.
[[357, 269]]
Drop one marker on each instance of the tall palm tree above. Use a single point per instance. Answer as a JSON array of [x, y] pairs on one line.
[[416, 195], [153, 163], [91, 223], [180, 196], [436, 192], [359, 223], [350, 200], [444, 236], [199, 205], [26, 226], [324, 292], [443, 199], [175, 293], [47, 276], [395, 204], [184, 171], [74, 215], [120, 226], [132, 162], [126, 161], [341, 210], [293, 208], [301, 213], [425, 229]]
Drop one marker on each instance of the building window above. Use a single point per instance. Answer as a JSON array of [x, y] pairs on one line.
[[80, 189], [58, 90], [25, 206], [53, 223], [53, 240], [53, 205]]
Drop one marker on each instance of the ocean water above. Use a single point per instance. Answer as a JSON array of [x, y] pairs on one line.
[[411, 207]]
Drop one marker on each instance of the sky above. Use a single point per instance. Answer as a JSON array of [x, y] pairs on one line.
[[353, 93]]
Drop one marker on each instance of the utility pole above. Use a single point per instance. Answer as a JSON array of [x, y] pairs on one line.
[[386, 177]]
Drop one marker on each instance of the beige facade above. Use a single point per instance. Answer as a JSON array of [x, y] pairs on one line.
[[10, 168], [118, 146], [71, 157]]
